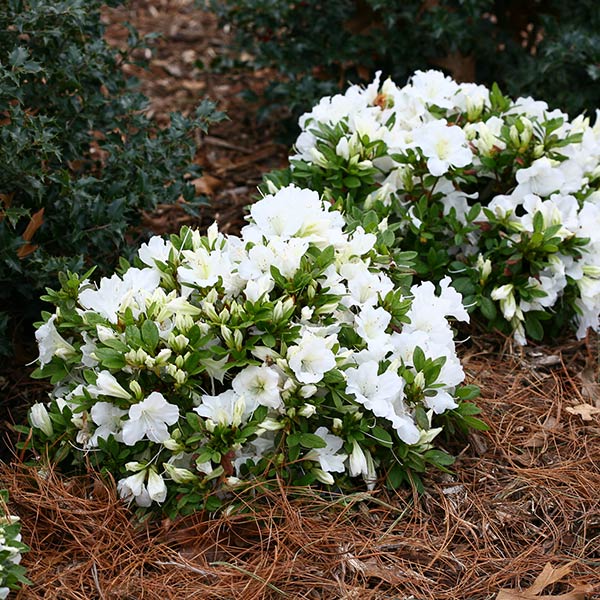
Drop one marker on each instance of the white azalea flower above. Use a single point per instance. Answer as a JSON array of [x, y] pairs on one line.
[[156, 249], [227, 408], [444, 146], [258, 384], [329, 458], [107, 385], [108, 419], [542, 178], [133, 488], [51, 343], [311, 358], [149, 419]]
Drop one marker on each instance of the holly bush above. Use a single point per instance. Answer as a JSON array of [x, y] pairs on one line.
[[80, 160], [547, 49]]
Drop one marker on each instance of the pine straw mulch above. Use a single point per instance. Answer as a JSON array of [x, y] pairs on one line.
[[520, 514], [524, 497]]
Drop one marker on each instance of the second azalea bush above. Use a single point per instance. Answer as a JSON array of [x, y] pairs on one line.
[[220, 362], [12, 573], [500, 194]]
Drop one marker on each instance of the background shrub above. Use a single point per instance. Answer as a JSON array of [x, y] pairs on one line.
[[79, 159], [549, 49]]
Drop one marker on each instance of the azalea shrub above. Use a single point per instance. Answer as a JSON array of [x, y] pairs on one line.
[[501, 195], [12, 573], [217, 362]]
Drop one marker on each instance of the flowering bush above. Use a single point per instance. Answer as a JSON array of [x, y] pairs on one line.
[[501, 195], [12, 574], [216, 362]]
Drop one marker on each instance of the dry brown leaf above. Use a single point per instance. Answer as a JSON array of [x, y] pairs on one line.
[[548, 576], [206, 185], [590, 388], [6, 199], [585, 411], [36, 222], [540, 438]]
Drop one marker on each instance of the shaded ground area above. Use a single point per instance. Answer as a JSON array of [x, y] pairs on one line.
[[524, 495], [236, 152]]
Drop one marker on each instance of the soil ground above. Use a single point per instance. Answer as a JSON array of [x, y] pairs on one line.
[[519, 518]]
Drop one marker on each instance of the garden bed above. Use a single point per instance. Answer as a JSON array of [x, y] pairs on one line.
[[522, 496]]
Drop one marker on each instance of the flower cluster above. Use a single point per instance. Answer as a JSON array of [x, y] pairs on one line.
[[12, 574], [502, 195], [217, 362]]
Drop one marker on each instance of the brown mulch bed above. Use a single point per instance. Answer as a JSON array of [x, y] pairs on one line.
[[236, 152], [523, 495], [521, 510]]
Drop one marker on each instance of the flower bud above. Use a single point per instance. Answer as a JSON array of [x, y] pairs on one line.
[[209, 310], [278, 311], [318, 158], [180, 377], [232, 481], [419, 381], [157, 489], [135, 387], [178, 342], [308, 410], [323, 477], [135, 466], [183, 323], [105, 333], [227, 335], [307, 391], [173, 445], [239, 408], [212, 233], [343, 148], [163, 356], [526, 134], [474, 108], [271, 187], [538, 150], [514, 136], [484, 267], [40, 419], [179, 475], [336, 426], [357, 462], [238, 339], [270, 424]]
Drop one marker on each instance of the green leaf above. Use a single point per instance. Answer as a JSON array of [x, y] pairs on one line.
[[533, 327], [488, 308], [109, 358], [421, 418], [311, 440], [150, 335], [468, 392], [439, 457], [351, 182], [397, 476], [382, 436]]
